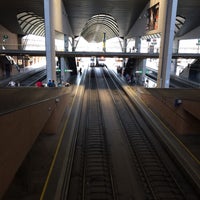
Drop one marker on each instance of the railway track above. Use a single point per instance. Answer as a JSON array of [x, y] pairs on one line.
[[115, 155], [149, 157], [91, 172]]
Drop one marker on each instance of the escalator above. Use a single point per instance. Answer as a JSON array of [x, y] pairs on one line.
[[192, 71]]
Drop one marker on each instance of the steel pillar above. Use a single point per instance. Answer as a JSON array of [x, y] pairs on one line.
[[167, 37], [50, 40]]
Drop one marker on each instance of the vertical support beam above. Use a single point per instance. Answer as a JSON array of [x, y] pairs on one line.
[[167, 36], [66, 43], [73, 44], [142, 80], [104, 42], [64, 65], [175, 50], [62, 68], [137, 44], [20, 47], [124, 50], [50, 40], [19, 40], [63, 62], [124, 45], [141, 63]]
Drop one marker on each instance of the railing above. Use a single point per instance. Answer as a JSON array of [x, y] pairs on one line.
[[24, 46], [38, 45]]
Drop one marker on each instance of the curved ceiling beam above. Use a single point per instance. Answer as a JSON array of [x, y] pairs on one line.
[[30, 23], [97, 25]]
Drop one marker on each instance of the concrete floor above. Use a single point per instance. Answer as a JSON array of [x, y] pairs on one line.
[[30, 178]]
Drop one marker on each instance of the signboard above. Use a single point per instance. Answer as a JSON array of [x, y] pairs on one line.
[[198, 43], [153, 17], [5, 37]]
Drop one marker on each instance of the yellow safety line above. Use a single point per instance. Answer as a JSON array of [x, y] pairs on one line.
[[181, 143], [56, 152]]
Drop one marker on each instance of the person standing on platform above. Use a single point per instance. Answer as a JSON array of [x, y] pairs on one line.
[[39, 84], [49, 84], [12, 83], [53, 83]]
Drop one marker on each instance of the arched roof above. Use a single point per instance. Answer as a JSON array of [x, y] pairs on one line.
[[31, 23], [91, 18], [99, 24]]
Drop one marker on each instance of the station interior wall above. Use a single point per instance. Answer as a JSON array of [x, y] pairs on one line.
[[177, 108]]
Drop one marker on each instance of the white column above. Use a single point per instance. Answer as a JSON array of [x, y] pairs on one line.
[[167, 36], [50, 40]]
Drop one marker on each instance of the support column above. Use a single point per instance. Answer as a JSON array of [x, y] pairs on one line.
[[175, 50], [73, 44], [141, 66], [66, 43], [64, 66], [137, 44], [124, 45], [104, 42], [167, 36], [19, 40], [50, 40], [124, 50]]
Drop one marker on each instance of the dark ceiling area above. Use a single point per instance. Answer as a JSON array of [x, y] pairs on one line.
[[91, 18], [125, 12]]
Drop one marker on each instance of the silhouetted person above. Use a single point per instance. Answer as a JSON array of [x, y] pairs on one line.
[[80, 70]]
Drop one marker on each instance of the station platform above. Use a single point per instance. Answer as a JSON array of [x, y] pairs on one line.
[[183, 119]]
